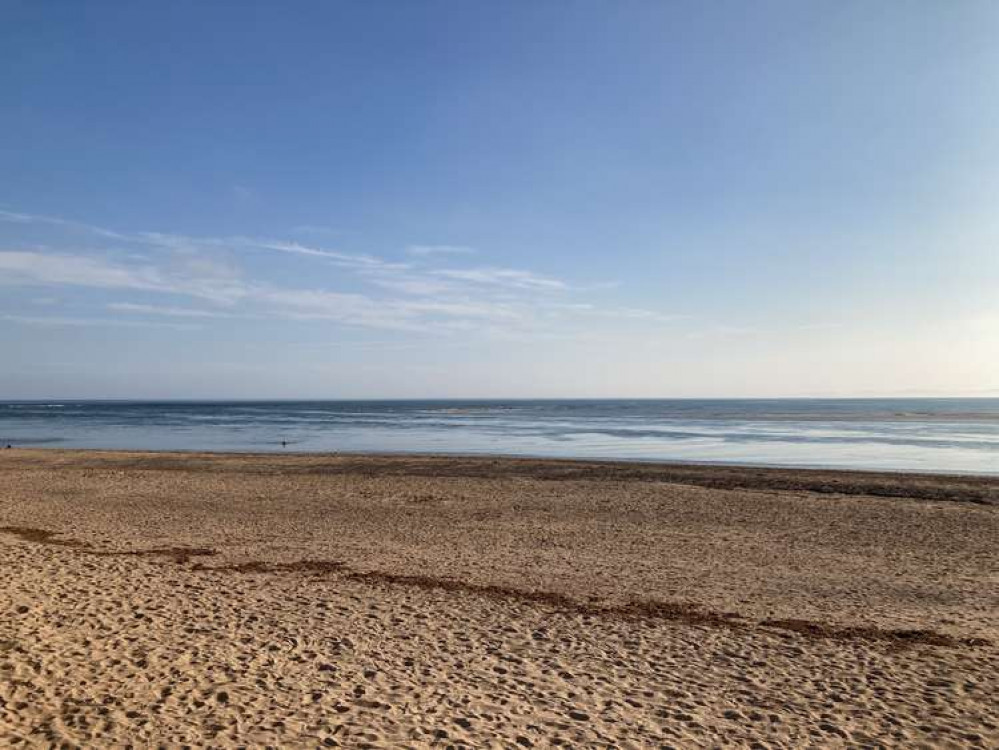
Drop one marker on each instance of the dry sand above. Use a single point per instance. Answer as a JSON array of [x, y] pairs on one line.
[[172, 599]]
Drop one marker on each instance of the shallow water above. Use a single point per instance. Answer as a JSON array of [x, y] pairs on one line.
[[938, 435]]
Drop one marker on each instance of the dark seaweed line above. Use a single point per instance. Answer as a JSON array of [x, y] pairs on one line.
[[972, 489], [683, 612], [41, 536]]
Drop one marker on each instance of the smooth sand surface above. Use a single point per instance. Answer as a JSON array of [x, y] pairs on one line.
[[206, 600]]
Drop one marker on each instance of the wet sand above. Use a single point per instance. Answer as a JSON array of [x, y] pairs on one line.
[[417, 601]]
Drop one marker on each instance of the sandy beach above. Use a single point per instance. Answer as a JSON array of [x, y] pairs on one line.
[[351, 601]]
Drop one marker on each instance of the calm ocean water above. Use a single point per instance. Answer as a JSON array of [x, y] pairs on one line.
[[937, 435]]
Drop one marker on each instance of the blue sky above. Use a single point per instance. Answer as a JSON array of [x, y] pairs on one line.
[[431, 199]]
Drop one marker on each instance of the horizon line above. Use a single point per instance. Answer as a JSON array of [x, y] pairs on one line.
[[260, 399]]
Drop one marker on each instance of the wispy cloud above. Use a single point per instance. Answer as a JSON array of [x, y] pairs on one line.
[[19, 218], [67, 321], [586, 309], [428, 250], [351, 260], [360, 309], [412, 284], [494, 302], [174, 241], [507, 277], [54, 269], [75, 270], [176, 312]]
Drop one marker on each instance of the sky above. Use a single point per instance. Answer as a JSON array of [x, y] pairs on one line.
[[507, 199]]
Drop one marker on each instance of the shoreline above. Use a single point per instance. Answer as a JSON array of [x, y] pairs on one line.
[[929, 485], [489, 456], [915, 436]]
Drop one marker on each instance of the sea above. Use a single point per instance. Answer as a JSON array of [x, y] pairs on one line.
[[926, 435]]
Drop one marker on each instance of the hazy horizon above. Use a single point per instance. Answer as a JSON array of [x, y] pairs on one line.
[[487, 399], [443, 200]]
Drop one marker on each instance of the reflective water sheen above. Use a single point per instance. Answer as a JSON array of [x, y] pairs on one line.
[[939, 435]]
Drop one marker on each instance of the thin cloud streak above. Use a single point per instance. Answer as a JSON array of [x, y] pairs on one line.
[[19, 218], [65, 321], [361, 262], [503, 277], [429, 250], [177, 312]]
